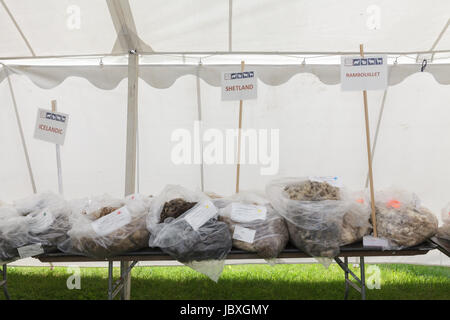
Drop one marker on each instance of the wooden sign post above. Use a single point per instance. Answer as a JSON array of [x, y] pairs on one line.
[[239, 86], [238, 166], [369, 155], [58, 157]]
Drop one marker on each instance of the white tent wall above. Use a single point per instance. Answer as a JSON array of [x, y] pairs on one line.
[[93, 155], [413, 148], [161, 112]]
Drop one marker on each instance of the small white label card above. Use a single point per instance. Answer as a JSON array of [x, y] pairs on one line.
[[111, 222], [239, 85], [364, 73], [40, 221], [333, 181], [244, 234], [30, 251], [246, 212], [202, 212], [51, 126], [372, 242]]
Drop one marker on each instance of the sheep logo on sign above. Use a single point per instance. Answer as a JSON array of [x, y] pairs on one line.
[[366, 61], [238, 75], [52, 116]]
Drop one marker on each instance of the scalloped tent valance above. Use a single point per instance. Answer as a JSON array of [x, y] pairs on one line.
[[164, 76]]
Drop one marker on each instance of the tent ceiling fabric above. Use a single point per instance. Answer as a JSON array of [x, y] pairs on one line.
[[162, 76], [82, 27]]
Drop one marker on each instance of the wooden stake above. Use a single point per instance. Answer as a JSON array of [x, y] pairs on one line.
[[369, 155], [238, 166], [58, 158]]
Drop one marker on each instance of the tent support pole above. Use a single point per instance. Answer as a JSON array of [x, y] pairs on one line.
[[436, 42], [199, 112], [132, 119], [22, 35], [22, 136]]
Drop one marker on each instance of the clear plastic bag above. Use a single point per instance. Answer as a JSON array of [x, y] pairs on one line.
[[41, 219], [402, 220], [203, 245], [444, 230], [254, 224], [320, 217], [105, 226]]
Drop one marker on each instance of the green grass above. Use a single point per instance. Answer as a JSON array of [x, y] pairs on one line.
[[236, 282]]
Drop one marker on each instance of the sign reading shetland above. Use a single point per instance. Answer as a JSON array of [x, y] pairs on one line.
[[368, 73], [239, 85], [51, 126]]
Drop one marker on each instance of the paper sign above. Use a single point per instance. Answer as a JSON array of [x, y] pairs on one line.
[[30, 251], [51, 126], [239, 85], [247, 213], [332, 181], [111, 222], [368, 73], [372, 242], [244, 234], [40, 221], [202, 212]]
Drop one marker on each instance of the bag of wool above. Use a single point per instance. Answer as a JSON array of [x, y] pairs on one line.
[[254, 224], [105, 226], [184, 225], [444, 230], [402, 220], [320, 216], [40, 220]]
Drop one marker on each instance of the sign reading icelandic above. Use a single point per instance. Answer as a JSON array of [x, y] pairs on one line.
[[239, 85], [368, 73], [51, 126]]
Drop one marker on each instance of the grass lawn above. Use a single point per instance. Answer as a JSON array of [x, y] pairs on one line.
[[236, 282]]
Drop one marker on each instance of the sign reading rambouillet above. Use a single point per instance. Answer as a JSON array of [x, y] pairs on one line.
[[51, 126], [364, 73], [239, 85]]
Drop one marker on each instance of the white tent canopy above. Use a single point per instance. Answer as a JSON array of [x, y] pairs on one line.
[[86, 27], [77, 52]]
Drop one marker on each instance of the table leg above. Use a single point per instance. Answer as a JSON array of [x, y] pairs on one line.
[[110, 279], [5, 282], [363, 278], [346, 279]]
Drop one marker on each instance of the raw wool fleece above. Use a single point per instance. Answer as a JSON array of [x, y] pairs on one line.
[[320, 217], [175, 208], [38, 219], [402, 220], [204, 249], [444, 230], [271, 234], [84, 240]]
